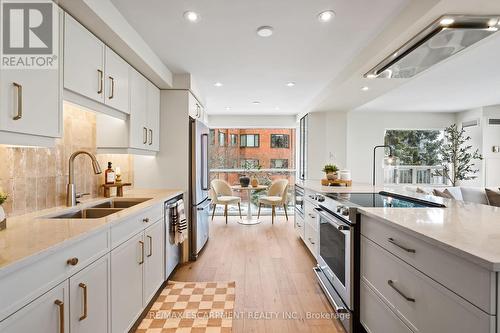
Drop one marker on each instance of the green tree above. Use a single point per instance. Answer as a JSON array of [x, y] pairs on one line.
[[457, 156], [415, 147]]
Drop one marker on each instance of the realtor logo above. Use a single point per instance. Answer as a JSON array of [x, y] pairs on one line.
[[29, 35]]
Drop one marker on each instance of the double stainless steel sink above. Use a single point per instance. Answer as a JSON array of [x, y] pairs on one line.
[[100, 210]]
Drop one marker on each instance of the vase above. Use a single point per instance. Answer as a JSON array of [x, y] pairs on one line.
[[244, 181], [331, 176], [254, 182], [3, 219]]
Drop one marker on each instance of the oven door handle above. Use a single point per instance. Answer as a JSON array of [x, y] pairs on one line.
[[344, 227]]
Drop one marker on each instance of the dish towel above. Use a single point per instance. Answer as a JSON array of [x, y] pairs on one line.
[[179, 222]]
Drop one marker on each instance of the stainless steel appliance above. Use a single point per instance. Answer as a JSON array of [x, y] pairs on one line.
[[338, 261], [299, 201], [199, 203], [172, 250]]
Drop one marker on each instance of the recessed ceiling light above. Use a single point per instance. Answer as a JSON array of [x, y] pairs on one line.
[[191, 16], [255, 102], [277, 108], [365, 88], [446, 21], [218, 84], [290, 84], [228, 108], [265, 31], [326, 16]]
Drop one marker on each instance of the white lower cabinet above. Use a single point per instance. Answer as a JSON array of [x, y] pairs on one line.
[[127, 262], [89, 298], [420, 302], [46, 314], [153, 268], [136, 274]]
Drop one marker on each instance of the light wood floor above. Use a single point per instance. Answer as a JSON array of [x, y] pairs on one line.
[[273, 273]]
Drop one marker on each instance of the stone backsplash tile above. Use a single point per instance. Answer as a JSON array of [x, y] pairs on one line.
[[36, 178]]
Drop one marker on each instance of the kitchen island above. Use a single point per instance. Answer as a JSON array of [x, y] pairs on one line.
[[425, 269]]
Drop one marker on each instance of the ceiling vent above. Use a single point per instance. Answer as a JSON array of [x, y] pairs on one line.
[[493, 121], [470, 123], [445, 37]]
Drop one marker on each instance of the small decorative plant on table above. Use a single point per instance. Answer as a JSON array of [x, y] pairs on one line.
[[3, 219], [250, 174], [331, 171]]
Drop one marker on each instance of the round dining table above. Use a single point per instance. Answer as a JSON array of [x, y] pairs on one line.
[[249, 219]]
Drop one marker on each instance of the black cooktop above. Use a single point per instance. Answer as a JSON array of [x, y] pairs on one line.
[[381, 199]]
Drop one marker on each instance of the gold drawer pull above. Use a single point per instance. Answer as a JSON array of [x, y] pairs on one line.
[[72, 261], [84, 289], [99, 82], [19, 106], [112, 93], [150, 246], [60, 304], [144, 135], [141, 243]]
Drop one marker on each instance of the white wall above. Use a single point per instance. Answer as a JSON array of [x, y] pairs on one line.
[[476, 141], [366, 130], [218, 121], [491, 137]]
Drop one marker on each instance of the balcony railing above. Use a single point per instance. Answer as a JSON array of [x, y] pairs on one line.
[[265, 177], [414, 174]]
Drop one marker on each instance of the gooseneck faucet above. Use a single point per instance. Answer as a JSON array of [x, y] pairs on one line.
[[71, 191]]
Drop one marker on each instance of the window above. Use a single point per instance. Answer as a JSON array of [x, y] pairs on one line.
[[249, 140], [222, 139], [249, 163], [280, 141], [279, 163], [212, 137], [233, 139]]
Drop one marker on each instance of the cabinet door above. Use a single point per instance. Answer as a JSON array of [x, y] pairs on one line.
[[138, 129], [127, 262], [153, 269], [89, 290], [116, 82], [153, 117], [194, 107], [31, 100], [46, 314], [83, 61]]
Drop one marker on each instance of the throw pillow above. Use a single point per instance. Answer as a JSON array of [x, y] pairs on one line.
[[443, 194], [493, 197]]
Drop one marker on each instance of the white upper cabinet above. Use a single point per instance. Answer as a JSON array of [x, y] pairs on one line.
[[83, 61], [31, 101], [195, 108], [138, 127], [116, 82], [153, 117]]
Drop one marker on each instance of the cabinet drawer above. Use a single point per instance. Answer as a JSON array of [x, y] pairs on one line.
[[299, 225], [375, 316], [125, 229], [422, 303], [23, 285], [450, 270], [311, 238], [310, 215]]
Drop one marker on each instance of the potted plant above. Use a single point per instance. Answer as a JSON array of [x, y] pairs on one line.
[[331, 171], [245, 179], [3, 219]]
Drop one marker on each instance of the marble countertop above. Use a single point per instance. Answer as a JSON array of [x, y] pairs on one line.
[[33, 234], [469, 230]]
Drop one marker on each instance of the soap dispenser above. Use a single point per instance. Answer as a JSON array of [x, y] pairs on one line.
[[109, 175]]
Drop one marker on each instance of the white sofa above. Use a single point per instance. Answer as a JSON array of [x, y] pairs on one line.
[[463, 193]]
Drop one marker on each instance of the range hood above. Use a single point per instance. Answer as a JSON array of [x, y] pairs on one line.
[[443, 38]]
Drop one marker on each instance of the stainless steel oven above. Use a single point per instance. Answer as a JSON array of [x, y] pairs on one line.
[[335, 270], [299, 201]]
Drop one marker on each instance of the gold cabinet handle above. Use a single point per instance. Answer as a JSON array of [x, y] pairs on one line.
[[19, 99], [150, 246], [112, 94], [72, 261], [99, 82], [84, 289], [141, 243], [150, 136], [144, 135], [60, 304]]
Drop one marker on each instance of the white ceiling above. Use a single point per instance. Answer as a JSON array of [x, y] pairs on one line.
[[467, 80], [223, 46]]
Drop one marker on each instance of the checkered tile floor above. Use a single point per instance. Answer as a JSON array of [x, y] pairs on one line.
[[192, 307]]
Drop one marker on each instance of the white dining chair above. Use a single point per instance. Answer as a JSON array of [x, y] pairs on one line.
[[277, 195], [221, 194]]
